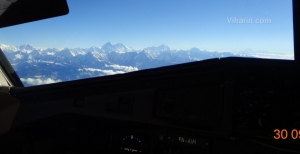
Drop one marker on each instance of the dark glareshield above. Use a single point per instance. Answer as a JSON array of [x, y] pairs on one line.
[[23, 11]]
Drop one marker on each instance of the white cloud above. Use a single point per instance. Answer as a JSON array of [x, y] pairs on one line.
[[47, 62], [38, 81], [124, 68], [111, 72], [107, 72], [93, 69]]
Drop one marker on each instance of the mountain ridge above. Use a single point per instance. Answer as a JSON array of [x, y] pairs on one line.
[[42, 66]]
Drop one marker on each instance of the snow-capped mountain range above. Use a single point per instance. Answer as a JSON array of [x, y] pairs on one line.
[[41, 66]]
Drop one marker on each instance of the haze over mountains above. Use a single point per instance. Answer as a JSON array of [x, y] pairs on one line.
[[42, 66]]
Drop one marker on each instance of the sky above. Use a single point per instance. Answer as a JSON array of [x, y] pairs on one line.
[[212, 25]]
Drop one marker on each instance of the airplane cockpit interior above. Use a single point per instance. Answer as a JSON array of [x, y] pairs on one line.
[[91, 77]]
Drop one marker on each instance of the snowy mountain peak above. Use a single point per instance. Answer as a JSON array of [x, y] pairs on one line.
[[120, 48], [26, 47], [160, 48], [93, 49], [164, 47], [194, 50], [108, 44], [108, 47]]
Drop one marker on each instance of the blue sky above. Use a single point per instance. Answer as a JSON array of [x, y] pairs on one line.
[[180, 24]]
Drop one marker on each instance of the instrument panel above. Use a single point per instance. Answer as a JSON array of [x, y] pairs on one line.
[[217, 109]]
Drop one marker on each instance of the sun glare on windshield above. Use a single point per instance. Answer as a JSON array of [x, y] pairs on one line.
[[107, 37]]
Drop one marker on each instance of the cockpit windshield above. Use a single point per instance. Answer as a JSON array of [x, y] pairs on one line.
[[107, 37]]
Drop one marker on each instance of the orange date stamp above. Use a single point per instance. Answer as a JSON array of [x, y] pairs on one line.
[[283, 134]]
